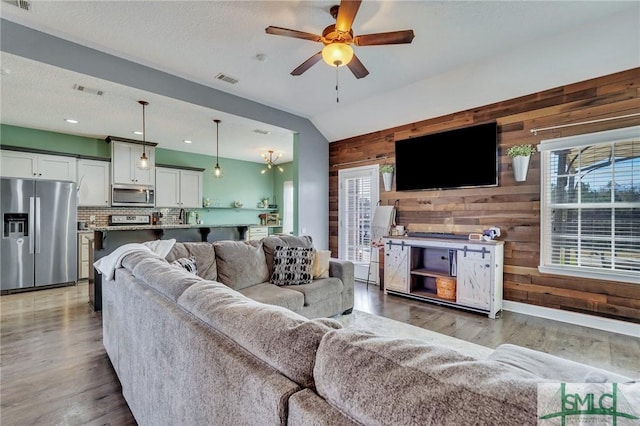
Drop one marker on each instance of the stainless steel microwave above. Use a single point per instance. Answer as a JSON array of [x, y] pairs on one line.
[[132, 196]]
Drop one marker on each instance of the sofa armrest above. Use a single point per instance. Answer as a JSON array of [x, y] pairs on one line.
[[342, 269], [551, 367]]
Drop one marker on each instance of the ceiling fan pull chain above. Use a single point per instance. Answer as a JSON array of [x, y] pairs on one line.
[[337, 92]]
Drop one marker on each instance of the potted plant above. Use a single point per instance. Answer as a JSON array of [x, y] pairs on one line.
[[520, 156], [387, 175]]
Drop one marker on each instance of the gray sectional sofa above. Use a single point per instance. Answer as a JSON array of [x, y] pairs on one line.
[[193, 351]]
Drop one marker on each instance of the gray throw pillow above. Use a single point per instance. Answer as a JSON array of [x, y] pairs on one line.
[[187, 263], [292, 266]]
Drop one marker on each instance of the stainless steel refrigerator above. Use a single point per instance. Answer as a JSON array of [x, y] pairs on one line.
[[39, 245]]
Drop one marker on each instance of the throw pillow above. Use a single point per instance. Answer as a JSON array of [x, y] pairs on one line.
[[292, 266], [187, 263], [321, 264]]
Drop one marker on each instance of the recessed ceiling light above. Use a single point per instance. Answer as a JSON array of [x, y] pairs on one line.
[[71, 121], [186, 141], [137, 132]]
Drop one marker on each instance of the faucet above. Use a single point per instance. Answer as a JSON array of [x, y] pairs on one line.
[[182, 216]]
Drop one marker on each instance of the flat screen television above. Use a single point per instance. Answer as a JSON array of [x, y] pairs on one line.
[[459, 158]]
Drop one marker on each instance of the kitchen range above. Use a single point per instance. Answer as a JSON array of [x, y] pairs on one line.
[[39, 233]]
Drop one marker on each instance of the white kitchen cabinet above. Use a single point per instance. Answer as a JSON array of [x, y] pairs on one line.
[[124, 164], [178, 188], [38, 166], [93, 183], [256, 233], [415, 266], [84, 239]]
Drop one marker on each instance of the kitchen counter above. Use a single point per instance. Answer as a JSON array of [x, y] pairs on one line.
[[174, 226], [108, 238]]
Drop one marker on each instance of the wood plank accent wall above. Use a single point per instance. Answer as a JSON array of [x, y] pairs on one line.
[[512, 206]]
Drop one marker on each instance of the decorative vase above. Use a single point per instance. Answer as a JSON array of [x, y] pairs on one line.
[[520, 167], [387, 179]]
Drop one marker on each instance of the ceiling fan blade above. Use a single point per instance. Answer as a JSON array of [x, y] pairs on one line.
[[292, 33], [357, 68], [393, 37], [346, 14], [308, 64]]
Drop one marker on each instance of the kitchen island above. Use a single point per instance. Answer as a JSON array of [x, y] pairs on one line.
[[108, 238]]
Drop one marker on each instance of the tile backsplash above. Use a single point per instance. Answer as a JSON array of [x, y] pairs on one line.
[[170, 215]]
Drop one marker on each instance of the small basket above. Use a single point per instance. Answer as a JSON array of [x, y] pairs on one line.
[[446, 287]]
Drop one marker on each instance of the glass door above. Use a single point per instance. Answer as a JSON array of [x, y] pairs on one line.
[[358, 196]]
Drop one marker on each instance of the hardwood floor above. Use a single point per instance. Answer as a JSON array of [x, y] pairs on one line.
[[54, 369]]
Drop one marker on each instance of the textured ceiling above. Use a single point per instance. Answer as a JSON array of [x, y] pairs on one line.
[[199, 39]]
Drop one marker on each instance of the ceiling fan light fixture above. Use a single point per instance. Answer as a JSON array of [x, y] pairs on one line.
[[337, 54]]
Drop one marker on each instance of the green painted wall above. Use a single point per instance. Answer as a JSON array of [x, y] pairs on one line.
[[241, 181], [51, 141]]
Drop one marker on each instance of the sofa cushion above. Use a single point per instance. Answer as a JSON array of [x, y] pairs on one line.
[[552, 367], [275, 295], [292, 266], [272, 241], [204, 254], [379, 380], [321, 263], [278, 336], [318, 290], [240, 264]]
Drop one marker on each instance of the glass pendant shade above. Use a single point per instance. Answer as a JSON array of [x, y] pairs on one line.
[[217, 170], [337, 54], [143, 163]]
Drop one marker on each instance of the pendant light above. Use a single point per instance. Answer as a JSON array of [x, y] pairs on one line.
[[143, 163], [217, 171]]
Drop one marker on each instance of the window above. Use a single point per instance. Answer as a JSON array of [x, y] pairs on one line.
[[591, 205], [358, 195]]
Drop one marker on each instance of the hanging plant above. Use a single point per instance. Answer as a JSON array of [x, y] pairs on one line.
[[526, 150], [386, 168]]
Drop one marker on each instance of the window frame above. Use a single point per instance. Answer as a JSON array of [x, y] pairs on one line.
[[546, 148]]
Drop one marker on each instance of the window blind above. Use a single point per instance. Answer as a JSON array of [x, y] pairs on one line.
[[357, 215], [591, 205]]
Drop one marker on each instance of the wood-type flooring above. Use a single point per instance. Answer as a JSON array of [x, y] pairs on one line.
[[55, 371]]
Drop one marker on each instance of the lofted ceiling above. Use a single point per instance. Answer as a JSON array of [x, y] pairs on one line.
[[198, 40]]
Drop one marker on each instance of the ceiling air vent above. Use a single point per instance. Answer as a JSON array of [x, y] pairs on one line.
[[226, 78], [23, 4], [85, 89], [261, 131]]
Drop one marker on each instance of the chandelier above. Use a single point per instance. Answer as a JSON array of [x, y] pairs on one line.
[[271, 162]]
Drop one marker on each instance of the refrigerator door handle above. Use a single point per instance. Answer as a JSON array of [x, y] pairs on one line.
[[37, 224], [31, 223]]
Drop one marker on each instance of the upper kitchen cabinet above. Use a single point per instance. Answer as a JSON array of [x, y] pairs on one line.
[[125, 154], [178, 187], [31, 165], [93, 183]]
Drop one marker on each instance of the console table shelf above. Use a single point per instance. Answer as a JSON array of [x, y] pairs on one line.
[[413, 267]]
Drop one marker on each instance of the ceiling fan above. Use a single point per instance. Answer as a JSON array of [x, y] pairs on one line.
[[338, 38]]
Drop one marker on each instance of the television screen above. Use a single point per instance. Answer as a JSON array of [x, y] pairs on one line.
[[460, 158]]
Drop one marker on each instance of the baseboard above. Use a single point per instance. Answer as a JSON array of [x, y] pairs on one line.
[[600, 323]]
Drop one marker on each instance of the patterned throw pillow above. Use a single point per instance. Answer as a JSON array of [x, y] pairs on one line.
[[187, 263], [292, 266]]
